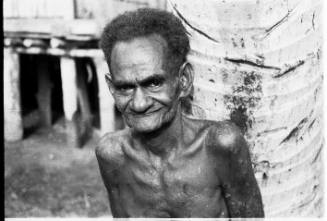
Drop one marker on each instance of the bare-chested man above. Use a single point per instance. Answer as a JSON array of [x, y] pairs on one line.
[[166, 164]]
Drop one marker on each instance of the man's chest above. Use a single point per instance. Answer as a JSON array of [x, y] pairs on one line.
[[184, 185]]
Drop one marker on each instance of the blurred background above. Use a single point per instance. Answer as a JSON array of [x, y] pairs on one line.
[[258, 63], [57, 105]]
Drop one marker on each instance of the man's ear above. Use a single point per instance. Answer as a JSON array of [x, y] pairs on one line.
[[186, 76], [109, 82]]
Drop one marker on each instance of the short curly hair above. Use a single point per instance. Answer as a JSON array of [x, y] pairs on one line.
[[144, 22]]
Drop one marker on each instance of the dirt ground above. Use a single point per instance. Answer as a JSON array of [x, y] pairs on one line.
[[44, 177]]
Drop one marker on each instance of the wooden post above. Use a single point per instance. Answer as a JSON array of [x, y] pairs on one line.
[[106, 101], [12, 105], [44, 92], [69, 90], [83, 100]]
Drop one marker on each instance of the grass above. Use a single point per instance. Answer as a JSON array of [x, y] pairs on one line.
[[44, 178]]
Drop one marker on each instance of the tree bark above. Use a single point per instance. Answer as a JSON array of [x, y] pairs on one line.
[[258, 63]]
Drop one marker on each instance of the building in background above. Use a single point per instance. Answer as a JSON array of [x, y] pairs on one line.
[[53, 67]]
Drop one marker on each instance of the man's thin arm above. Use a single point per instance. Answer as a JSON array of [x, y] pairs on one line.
[[240, 186], [234, 169], [107, 170]]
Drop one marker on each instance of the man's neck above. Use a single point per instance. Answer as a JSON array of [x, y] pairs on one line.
[[165, 140]]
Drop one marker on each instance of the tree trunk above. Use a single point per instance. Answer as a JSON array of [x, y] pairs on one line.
[[258, 63]]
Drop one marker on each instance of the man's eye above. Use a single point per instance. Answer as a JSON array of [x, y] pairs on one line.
[[155, 83], [124, 88]]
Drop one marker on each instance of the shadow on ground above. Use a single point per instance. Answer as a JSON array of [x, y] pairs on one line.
[[44, 177]]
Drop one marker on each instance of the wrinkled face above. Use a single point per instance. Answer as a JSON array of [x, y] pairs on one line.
[[144, 92]]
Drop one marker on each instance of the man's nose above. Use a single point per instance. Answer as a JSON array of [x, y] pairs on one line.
[[140, 102]]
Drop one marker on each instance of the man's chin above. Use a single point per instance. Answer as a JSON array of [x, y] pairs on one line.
[[143, 128], [147, 124]]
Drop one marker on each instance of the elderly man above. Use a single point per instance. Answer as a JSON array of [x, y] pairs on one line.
[[166, 164]]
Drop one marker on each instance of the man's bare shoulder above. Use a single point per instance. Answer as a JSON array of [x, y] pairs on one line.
[[224, 137], [220, 135], [109, 148]]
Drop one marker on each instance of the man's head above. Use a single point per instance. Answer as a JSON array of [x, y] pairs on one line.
[[144, 22], [146, 52]]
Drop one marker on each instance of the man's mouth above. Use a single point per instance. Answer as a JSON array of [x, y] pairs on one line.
[[140, 115]]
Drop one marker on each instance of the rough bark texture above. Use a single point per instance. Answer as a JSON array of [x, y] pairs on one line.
[[259, 63]]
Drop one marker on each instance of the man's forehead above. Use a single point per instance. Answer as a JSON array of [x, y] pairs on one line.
[[139, 49], [138, 76], [154, 37], [141, 56]]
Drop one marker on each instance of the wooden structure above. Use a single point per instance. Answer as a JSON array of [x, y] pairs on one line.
[[69, 30], [259, 63]]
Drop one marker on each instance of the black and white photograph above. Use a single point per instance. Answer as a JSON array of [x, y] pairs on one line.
[[164, 109]]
